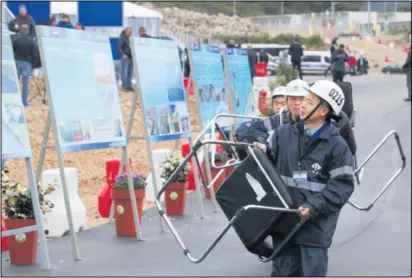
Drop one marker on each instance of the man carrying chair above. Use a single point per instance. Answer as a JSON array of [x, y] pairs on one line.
[[317, 166]]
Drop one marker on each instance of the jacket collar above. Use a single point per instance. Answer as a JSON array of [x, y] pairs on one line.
[[329, 130]]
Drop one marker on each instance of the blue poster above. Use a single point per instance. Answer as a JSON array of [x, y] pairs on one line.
[[209, 79], [14, 134], [238, 72], [161, 85], [83, 89]]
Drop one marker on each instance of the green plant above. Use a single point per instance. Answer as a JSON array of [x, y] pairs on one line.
[[220, 157], [17, 200], [170, 164], [121, 181]]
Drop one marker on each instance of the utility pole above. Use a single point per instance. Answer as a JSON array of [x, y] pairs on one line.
[[385, 7], [234, 8], [396, 6], [282, 8], [369, 18]]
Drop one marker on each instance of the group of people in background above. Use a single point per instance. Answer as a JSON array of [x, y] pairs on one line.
[[26, 52]]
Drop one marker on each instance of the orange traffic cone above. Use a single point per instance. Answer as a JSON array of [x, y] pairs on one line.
[[360, 37], [379, 40], [386, 59]]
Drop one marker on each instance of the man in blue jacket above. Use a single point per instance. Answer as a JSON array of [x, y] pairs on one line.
[[316, 164], [65, 22]]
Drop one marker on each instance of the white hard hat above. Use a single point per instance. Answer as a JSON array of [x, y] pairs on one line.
[[330, 92], [279, 91], [297, 88]]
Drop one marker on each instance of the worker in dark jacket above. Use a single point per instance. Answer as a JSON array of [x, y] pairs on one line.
[[23, 18], [407, 67], [253, 59], [126, 62], [296, 53], [294, 94], [339, 59], [333, 48], [316, 164], [26, 55]]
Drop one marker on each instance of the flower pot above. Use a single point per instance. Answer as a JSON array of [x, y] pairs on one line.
[[217, 183], [22, 247], [175, 198], [123, 212]]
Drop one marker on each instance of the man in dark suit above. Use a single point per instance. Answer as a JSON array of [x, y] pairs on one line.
[[252, 55], [296, 53]]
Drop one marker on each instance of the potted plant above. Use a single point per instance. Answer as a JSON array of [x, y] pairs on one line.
[[122, 203], [19, 213], [175, 198], [221, 157]]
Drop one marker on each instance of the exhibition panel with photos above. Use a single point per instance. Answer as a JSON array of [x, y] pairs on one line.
[[86, 114], [162, 99], [15, 144]]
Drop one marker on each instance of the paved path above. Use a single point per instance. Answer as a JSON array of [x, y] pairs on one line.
[[366, 243]]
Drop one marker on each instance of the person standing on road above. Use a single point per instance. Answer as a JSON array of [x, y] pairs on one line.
[[253, 59], [296, 53], [339, 58], [333, 48], [317, 166], [407, 67]]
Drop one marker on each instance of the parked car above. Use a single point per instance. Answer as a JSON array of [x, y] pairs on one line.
[[315, 61], [393, 69]]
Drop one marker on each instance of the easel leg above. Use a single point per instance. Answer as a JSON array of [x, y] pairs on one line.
[[44, 252], [43, 146], [198, 185], [209, 177], [132, 195]]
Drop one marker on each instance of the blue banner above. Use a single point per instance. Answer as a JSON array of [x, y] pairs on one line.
[[238, 72], [209, 79], [14, 134], [161, 85], [101, 13], [83, 89], [39, 10]]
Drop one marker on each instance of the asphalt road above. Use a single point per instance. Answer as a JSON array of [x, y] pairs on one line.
[[374, 243]]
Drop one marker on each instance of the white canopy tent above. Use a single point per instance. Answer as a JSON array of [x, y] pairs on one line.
[[134, 16]]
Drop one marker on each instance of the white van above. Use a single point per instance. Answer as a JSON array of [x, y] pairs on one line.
[[315, 61]]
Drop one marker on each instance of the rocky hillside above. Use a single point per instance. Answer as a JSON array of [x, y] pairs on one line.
[[202, 25]]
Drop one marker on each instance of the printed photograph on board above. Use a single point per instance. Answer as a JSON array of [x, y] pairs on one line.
[[152, 124], [118, 128], [66, 132], [164, 120], [181, 110], [86, 127], [174, 118], [77, 131]]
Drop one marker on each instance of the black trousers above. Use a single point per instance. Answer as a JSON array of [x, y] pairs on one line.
[[296, 64], [300, 261], [338, 76]]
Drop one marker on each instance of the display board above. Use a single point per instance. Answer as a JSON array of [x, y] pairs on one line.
[[14, 134], [162, 89], [83, 89], [209, 81], [238, 73]]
